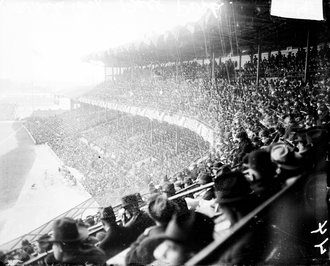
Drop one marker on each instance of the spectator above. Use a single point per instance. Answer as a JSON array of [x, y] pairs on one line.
[[43, 244], [244, 147], [141, 251], [289, 162], [69, 246], [208, 194], [236, 200], [185, 235], [133, 218], [27, 247], [117, 237], [261, 174], [169, 191]]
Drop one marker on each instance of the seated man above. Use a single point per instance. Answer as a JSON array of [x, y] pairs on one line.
[[185, 235], [169, 191], [236, 200], [208, 194], [261, 173], [69, 244], [43, 244], [161, 210], [133, 218], [116, 238], [204, 197]]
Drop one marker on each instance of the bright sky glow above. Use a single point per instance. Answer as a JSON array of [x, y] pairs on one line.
[[43, 42]]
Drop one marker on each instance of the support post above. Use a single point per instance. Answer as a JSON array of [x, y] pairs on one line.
[[212, 71], [306, 58], [176, 140], [259, 59], [239, 60], [176, 71], [151, 131]]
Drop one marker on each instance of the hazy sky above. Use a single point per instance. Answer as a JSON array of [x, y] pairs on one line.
[[43, 41]]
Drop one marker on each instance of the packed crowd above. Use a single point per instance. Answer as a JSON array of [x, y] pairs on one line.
[[229, 106], [281, 65], [265, 135], [173, 230], [116, 152]]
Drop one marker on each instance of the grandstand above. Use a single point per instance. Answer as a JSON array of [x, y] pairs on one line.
[[242, 139]]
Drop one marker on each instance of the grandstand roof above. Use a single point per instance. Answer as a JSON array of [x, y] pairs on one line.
[[230, 28]]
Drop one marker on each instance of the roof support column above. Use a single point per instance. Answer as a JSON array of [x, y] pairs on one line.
[[259, 59], [239, 60], [212, 71], [176, 71], [306, 58]]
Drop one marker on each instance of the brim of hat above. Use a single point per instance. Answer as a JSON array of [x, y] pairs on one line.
[[125, 205], [288, 167], [83, 234], [106, 217], [162, 237], [187, 243], [230, 200]]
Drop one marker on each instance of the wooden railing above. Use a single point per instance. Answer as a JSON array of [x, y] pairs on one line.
[[296, 209]]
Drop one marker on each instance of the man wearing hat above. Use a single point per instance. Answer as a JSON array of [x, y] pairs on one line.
[[43, 244], [184, 237], [133, 218], [116, 238], [261, 173], [203, 179], [161, 211], [244, 147], [288, 161], [236, 200], [216, 167], [169, 191], [69, 244]]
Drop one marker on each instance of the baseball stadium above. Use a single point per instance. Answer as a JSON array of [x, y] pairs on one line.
[[164, 132]]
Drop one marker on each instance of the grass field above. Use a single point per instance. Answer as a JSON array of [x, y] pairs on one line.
[[32, 189]]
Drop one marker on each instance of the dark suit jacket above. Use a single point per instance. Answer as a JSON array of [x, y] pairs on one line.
[[141, 251], [116, 240], [138, 224]]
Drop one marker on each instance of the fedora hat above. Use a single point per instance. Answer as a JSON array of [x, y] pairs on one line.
[[231, 187], [169, 187], [204, 178], [131, 199], [260, 160], [194, 230], [66, 229], [107, 213], [317, 134], [285, 157], [161, 209]]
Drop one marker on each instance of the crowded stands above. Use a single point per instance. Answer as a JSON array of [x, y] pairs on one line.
[[117, 152], [265, 135], [180, 199]]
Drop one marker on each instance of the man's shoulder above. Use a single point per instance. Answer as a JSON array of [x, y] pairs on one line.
[[145, 217], [154, 230]]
